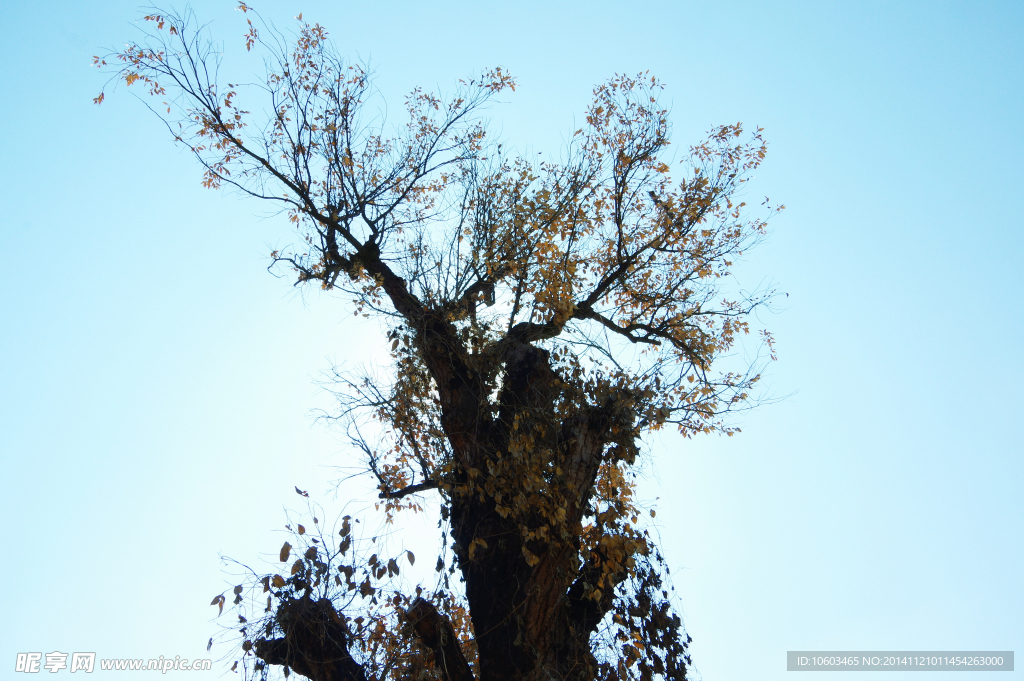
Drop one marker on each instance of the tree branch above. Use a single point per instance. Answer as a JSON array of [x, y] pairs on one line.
[[436, 632], [410, 489], [315, 643]]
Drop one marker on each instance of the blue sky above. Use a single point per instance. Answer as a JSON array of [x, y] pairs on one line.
[[156, 384]]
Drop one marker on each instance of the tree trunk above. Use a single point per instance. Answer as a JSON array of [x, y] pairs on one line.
[[533, 623]]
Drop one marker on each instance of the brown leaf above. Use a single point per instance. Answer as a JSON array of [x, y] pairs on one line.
[[302, 530], [278, 582], [286, 551], [475, 543], [392, 567], [301, 493], [411, 557]]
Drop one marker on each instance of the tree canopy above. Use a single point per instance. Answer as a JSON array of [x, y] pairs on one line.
[[543, 318]]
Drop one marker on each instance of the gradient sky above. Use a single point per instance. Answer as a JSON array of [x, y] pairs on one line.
[[156, 383]]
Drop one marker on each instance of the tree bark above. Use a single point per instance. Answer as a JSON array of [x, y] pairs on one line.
[[436, 633], [533, 623], [315, 642]]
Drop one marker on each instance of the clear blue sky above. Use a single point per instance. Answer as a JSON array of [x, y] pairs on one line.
[[156, 383]]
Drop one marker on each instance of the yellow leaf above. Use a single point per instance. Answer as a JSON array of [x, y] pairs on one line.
[[472, 546]]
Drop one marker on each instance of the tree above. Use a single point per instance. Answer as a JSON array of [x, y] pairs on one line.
[[543, 317]]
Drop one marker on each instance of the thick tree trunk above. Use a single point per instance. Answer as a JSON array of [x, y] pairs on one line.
[[533, 623], [522, 615]]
